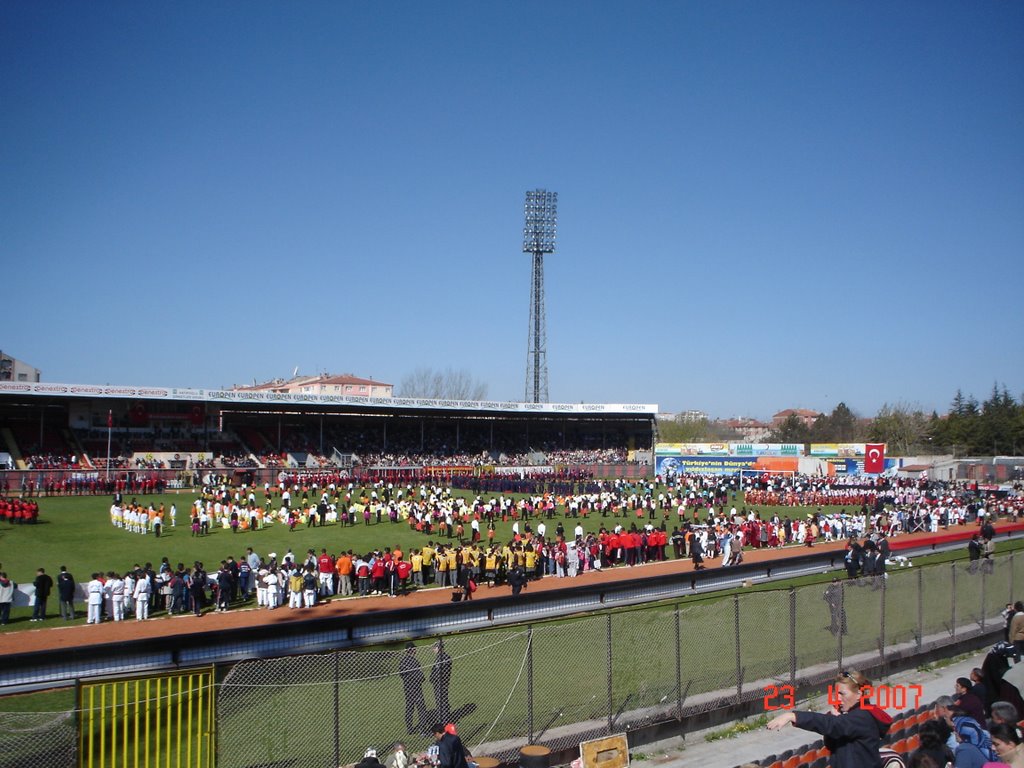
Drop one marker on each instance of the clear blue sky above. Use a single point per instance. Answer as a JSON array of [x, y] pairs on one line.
[[761, 205]]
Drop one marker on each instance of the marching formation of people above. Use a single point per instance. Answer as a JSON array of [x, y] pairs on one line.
[[617, 523], [19, 511]]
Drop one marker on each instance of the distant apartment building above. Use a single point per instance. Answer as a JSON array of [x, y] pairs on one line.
[[692, 416], [12, 369], [749, 430], [808, 417], [324, 384], [683, 416]]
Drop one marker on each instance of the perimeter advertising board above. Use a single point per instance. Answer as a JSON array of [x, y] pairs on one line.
[[837, 450], [729, 449], [703, 465]]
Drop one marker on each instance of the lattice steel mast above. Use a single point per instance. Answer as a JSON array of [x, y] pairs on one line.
[[538, 239]]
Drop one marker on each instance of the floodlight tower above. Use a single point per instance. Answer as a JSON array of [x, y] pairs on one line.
[[538, 239]]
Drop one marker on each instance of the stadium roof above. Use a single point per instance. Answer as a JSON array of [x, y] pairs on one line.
[[270, 398]]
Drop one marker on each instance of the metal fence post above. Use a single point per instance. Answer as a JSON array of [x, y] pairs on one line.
[[952, 623], [679, 667], [611, 701], [984, 604], [920, 609], [1009, 597], [337, 707], [881, 627], [736, 632], [529, 684], [839, 635], [792, 636]]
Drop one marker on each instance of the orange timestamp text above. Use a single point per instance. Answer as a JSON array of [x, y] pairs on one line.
[[897, 697]]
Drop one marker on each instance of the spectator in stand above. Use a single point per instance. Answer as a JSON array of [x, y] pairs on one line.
[[1017, 627], [974, 747], [853, 734], [1004, 713], [933, 751], [450, 751], [1006, 742], [968, 702]]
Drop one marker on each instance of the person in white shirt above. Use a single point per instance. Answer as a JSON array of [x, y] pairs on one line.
[[115, 588], [141, 595], [271, 581], [94, 592]]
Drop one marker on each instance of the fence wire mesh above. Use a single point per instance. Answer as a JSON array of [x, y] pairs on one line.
[[863, 601], [998, 586], [901, 615], [765, 641], [559, 683], [819, 618], [571, 692], [38, 739], [968, 596], [645, 651], [936, 604], [297, 695], [710, 673]]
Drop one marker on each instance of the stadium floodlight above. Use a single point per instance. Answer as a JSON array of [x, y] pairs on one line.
[[541, 221], [538, 238]]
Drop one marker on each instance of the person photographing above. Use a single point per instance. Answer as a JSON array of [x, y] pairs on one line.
[[853, 732]]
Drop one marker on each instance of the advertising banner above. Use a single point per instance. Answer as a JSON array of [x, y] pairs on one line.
[[838, 450], [855, 466], [703, 465], [692, 449], [766, 449]]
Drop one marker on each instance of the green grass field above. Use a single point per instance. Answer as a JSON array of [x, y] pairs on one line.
[[76, 532]]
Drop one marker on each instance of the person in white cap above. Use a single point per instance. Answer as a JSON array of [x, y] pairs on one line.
[[369, 759]]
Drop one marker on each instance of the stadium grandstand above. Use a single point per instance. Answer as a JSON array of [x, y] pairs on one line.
[[81, 438]]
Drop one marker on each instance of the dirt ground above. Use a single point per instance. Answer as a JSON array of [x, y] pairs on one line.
[[51, 638]]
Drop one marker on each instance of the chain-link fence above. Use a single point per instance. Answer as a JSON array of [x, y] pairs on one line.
[[554, 683], [38, 739], [558, 683]]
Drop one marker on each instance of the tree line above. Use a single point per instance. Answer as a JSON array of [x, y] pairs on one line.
[[991, 428]]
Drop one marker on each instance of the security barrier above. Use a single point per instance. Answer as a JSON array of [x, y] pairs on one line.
[[152, 722]]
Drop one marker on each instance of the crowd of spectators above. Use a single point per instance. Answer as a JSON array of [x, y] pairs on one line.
[[52, 461]]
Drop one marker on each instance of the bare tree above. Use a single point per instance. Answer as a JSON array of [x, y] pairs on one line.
[[448, 384], [902, 427]]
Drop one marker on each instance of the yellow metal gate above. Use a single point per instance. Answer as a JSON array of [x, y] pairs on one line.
[[164, 721]]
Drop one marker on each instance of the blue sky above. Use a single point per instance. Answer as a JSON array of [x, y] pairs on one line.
[[761, 205]]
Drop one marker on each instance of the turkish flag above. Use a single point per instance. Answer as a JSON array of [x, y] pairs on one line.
[[110, 419], [874, 458]]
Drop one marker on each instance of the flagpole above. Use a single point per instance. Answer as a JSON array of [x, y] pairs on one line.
[[110, 427]]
